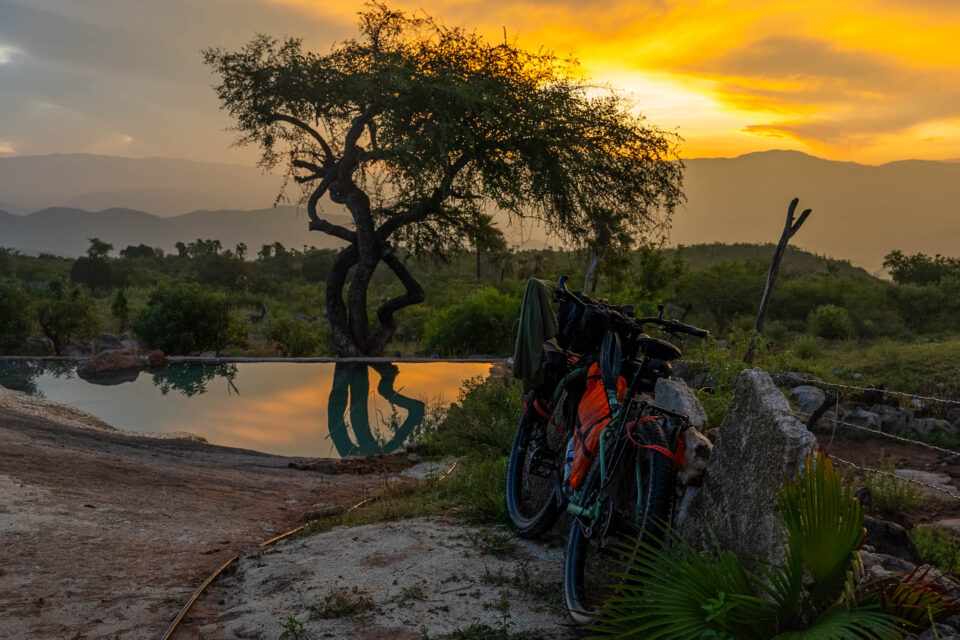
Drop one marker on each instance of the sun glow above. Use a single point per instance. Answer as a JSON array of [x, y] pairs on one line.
[[865, 79]]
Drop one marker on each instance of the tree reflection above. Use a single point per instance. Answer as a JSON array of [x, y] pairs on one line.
[[191, 379], [21, 375], [351, 390]]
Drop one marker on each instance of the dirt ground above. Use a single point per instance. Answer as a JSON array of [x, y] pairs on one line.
[[106, 535]]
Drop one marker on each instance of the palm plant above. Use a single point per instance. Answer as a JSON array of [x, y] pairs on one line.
[[671, 591]]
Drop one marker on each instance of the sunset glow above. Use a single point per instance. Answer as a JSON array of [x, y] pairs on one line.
[[865, 81]]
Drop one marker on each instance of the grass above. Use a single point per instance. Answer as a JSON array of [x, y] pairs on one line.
[[479, 431], [341, 603], [938, 548], [889, 494]]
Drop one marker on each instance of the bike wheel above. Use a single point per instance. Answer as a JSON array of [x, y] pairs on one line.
[[535, 475], [594, 553]]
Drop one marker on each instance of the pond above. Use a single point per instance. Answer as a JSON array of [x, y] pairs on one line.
[[287, 408]]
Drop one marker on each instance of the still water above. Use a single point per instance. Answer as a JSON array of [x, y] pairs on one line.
[[287, 408]]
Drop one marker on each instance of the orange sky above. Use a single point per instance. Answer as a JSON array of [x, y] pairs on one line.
[[868, 81]]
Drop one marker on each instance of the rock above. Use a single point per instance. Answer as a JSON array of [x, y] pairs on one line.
[[110, 342], [696, 456], [154, 359], [953, 416], [808, 397], [862, 418], [703, 381], [879, 565], [675, 395], [760, 444], [892, 419], [791, 378], [891, 539], [939, 480], [39, 346], [130, 345], [78, 348], [952, 525], [108, 362], [929, 425]]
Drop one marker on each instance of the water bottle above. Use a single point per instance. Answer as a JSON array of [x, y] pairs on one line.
[[568, 465]]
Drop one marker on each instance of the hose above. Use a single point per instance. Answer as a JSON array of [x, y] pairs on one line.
[[213, 576]]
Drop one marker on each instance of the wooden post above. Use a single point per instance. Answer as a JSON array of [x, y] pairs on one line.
[[790, 228]]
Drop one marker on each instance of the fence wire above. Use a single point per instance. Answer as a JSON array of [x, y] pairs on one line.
[[889, 436], [901, 394], [934, 487]]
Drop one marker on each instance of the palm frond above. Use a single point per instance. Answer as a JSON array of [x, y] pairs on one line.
[[826, 523], [838, 623]]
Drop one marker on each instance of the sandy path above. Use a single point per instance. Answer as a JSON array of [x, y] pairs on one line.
[[104, 535]]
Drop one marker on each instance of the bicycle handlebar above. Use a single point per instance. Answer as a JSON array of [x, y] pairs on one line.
[[670, 326]]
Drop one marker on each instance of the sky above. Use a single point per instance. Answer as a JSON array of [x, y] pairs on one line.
[[865, 81]]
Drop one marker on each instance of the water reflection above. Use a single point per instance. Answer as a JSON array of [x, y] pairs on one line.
[[351, 380], [190, 380], [288, 408]]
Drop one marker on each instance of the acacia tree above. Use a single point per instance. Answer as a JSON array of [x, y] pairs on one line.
[[416, 128]]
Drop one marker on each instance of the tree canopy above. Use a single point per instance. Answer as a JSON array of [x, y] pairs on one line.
[[418, 128]]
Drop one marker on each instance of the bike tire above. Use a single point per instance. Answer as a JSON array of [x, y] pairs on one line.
[[590, 560], [533, 501]]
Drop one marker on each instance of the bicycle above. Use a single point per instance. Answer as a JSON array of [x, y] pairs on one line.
[[605, 503]]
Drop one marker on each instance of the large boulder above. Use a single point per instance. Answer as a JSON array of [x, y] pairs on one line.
[[39, 346], [675, 395], [109, 362], [893, 419], [109, 342], [863, 418], [808, 397], [760, 444]]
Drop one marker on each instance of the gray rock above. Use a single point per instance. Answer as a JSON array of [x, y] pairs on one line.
[[939, 480], [943, 632], [891, 539], [130, 345], [929, 425], [863, 418], [760, 444], [879, 565], [108, 341], [808, 397], [893, 419], [675, 395]]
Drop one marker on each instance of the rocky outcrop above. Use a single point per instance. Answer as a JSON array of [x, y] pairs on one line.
[[109, 342], [760, 444], [116, 364], [675, 395], [890, 539]]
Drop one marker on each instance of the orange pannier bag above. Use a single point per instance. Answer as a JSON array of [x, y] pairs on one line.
[[593, 416]]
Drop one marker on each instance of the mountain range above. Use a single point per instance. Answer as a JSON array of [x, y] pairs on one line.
[[860, 212]]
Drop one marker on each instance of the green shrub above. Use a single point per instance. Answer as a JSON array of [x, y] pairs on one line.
[[484, 323], [296, 339], [15, 310], [187, 318], [830, 321], [64, 313], [938, 547]]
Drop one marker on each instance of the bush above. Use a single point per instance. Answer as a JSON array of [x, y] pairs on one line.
[[830, 321], [186, 318], [14, 316], [65, 313], [485, 323], [296, 339]]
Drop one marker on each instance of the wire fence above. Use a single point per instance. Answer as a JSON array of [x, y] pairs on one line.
[[886, 392], [837, 422], [952, 494]]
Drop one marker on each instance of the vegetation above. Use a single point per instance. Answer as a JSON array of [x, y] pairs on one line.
[[417, 128], [677, 592]]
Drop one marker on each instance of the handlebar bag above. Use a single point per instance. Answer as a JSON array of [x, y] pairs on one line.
[[593, 416]]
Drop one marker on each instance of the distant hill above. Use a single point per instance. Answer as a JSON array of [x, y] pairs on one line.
[[796, 262], [162, 186], [64, 231], [861, 212]]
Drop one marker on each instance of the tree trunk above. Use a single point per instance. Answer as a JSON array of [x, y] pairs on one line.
[[593, 265], [789, 229]]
